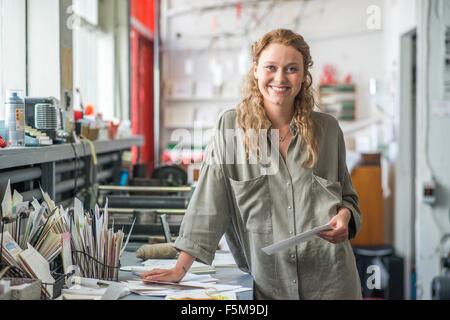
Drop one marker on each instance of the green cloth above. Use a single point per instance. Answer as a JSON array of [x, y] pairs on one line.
[[256, 205]]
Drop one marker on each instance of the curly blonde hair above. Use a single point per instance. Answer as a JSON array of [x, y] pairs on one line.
[[251, 115]]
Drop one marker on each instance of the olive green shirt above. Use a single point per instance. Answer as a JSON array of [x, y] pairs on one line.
[[256, 206]]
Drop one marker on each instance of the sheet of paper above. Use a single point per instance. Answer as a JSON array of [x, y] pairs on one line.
[[98, 231], [138, 270], [7, 201], [212, 286], [48, 200], [128, 238], [115, 291], [201, 295], [161, 293], [16, 200], [293, 241], [12, 249], [36, 205], [199, 277], [170, 263], [224, 260], [66, 252], [81, 290], [139, 286], [39, 267], [177, 284], [20, 207], [69, 296]]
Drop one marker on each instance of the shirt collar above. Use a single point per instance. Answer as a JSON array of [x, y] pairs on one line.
[[292, 127]]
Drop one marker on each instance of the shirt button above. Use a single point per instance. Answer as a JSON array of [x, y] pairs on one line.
[[294, 281], [291, 232], [293, 256], [289, 207], [288, 184]]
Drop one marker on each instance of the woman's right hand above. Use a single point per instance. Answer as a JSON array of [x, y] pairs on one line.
[[164, 275], [175, 274]]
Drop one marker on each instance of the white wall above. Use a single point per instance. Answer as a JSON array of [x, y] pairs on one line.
[[433, 148], [12, 48], [358, 55], [43, 49], [400, 17], [122, 54], [100, 52], [337, 32], [105, 69]]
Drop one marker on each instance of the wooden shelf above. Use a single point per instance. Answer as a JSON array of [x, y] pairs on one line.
[[338, 100]]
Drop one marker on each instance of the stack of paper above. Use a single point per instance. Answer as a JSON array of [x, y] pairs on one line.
[[38, 267], [41, 227], [11, 250], [12, 207], [92, 239], [46, 231], [196, 268], [201, 295], [30, 261], [112, 292], [163, 289]]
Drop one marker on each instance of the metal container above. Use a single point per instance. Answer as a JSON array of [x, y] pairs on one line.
[[15, 118], [45, 116]]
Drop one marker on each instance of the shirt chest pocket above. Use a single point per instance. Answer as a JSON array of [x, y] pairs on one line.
[[253, 202], [327, 196]]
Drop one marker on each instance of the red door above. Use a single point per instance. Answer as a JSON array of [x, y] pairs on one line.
[[142, 85]]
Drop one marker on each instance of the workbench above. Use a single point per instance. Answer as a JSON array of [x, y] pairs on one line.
[[59, 168], [226, 275]]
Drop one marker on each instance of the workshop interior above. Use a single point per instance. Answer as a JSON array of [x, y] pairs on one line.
[[107, 108]]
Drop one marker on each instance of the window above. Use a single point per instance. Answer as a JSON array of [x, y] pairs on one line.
[[100, 41]]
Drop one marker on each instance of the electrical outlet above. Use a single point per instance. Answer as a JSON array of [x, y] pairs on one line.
[[429, 192]]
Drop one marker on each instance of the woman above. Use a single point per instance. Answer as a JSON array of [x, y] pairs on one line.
[[257, 203]]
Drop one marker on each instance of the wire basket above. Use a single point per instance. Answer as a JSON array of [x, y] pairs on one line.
[[90, 267], [53, 290], [18, 276]]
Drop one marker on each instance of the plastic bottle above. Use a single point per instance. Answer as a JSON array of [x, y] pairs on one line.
[[15, 118]]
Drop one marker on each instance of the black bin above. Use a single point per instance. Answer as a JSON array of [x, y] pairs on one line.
[[382, 262]]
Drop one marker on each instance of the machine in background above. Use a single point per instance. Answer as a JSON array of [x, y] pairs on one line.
[[44, 121]]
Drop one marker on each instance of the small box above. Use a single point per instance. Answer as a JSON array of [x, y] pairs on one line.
[[90, 133]]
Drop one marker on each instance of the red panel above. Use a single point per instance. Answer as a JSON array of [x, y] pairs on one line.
[[146, 101], [142, 98], [144, 11], [142, 86], [135, 115]]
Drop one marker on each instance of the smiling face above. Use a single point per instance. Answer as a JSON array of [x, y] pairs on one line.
[[280, 74]]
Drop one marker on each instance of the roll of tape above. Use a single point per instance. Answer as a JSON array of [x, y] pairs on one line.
[[74, 273]]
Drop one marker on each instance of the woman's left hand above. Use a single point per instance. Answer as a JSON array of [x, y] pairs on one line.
[[339, 225]]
